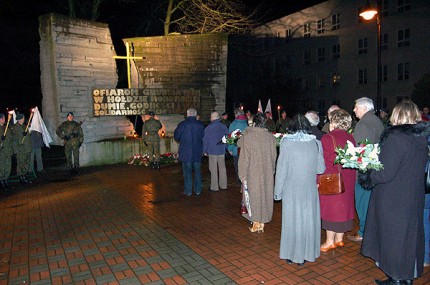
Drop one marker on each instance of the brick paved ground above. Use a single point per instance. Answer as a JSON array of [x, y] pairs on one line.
[[126, 224]]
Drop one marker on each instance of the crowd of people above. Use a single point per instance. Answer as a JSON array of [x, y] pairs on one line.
[[389, 203]]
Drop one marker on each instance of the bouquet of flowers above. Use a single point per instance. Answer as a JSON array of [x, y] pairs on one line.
[[362, 157], [278, 137], [232, 137], [139, 159], [169, 158]]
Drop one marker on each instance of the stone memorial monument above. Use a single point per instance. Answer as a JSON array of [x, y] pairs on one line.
[[166, 74]]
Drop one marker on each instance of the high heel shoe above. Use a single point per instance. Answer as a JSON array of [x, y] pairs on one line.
[[339, 243], [261, 228], [325, 249], [255, 227]]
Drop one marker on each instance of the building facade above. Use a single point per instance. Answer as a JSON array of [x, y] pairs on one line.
[[329, 54]]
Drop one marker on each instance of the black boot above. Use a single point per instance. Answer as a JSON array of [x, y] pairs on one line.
[[157, 165], [76, 169], [3, 185], [24, 180]]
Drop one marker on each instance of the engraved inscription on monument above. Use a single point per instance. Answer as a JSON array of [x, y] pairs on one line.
[[137, 101]]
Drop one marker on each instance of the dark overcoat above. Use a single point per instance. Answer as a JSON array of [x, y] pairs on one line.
[[394, 234]]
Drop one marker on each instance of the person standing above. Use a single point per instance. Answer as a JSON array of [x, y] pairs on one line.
[[72, 135], [249, 117], [337, 211], [314, 120], [225, 120], [213, 134], [369, 127], [152, 139], [189, 134], [325, 128], [282, 123], [239, 123], [270, 124], [22, 148], [6, 152], [36, 150], [257, 162], [300, 160], [394, 235]]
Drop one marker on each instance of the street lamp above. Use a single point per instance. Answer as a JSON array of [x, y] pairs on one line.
[[368, 14]]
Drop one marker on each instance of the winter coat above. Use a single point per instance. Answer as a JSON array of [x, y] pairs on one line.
[[340, 207], [394, 234], [300, 160], [240, 123], [369, 127], [257, 166], [189, 135], [213, 134]]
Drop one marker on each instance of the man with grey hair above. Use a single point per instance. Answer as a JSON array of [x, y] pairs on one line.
[[314, 120], [325, 128], [369, 127], [189, 135], [213, 134]]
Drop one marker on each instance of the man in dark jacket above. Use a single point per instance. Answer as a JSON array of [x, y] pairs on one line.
[[189, 135], [216, 151], [369, 127]]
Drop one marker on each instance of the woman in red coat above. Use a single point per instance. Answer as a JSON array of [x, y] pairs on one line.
[[337, 211]]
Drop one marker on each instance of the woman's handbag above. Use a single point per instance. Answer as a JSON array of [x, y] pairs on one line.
[[331, 184]]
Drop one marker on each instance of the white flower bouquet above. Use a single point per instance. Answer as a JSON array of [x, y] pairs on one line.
[[232, 137], [278, 137], [362, 157]]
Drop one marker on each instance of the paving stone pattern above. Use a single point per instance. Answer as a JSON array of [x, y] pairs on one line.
[[126, 224]]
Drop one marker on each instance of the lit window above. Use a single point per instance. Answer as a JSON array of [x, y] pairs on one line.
[[403, 38], [320, 26], [335, 79], [307, 30], [403, 71], [362, 46], [336, 51], [403, 5], [321, 54], [362, 76], [335, 22]]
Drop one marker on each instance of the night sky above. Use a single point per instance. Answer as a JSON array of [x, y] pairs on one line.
[[19, 41]]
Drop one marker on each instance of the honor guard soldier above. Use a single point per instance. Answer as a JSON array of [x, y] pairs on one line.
[[72, 135], [6, 152], [22, 148], [152, 139]]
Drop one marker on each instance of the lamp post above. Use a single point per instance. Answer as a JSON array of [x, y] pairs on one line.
[[368, 14]]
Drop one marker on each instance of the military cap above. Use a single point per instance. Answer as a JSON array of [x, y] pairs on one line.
[[151, 113], [70, 114], [19, 116]]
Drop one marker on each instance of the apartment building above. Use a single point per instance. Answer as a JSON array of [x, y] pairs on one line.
[[329, 53]]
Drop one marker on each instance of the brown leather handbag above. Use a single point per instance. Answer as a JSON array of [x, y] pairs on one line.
[[331, 184]]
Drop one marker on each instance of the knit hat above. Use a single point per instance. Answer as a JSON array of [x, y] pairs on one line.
[[19, 116], [70, 114]]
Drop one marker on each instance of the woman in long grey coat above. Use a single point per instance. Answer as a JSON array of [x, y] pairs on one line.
[[300, 160], [257, 162], [394, 235]]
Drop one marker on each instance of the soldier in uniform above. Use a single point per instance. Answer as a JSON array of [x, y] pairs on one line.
[[72, 135], [22, 148], [152, 139], [6, 152], [282, 123]]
